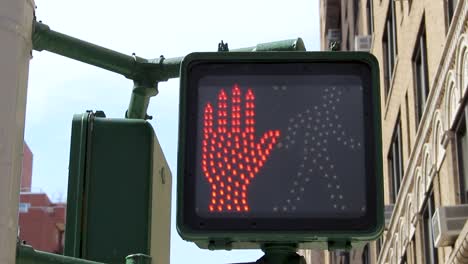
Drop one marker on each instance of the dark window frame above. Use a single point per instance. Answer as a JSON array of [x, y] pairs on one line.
[[390, 47], [450, 7], [429, 251], [365, 257], [461, 139], [370, 17], [356, 7], [421, 72], [395, 161]]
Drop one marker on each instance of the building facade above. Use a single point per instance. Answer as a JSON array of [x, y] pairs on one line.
[[422, 49], [41, 222]]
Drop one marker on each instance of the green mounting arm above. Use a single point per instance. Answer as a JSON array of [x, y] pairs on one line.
[[145, 73], [25, 254]]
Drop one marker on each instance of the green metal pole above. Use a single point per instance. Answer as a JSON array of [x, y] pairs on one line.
[[282, 45], [145, 73], [138, 259], [27, 255], [280, 254], [46, 39]]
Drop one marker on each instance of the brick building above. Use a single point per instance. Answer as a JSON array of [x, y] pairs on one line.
[[41, 222], [422, 48]]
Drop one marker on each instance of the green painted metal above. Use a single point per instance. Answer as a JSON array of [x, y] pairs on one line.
[[326, 240], [281, 254], [77, 168], [27, 255], [146, 73], [110, 183], [138, 259]]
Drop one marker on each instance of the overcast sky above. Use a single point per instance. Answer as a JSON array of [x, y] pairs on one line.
[[60, 87]]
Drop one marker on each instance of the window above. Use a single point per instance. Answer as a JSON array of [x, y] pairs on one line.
[[430, 252], [370, 18], [395, 162], [450, 10], [420, 73], [408, 132], [24, 207], [356, 5], [378, 246], [365, 258], [462, 149], [389, 43], [403, 259]]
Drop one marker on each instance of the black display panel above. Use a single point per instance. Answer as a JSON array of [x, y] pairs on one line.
[[279, 144]]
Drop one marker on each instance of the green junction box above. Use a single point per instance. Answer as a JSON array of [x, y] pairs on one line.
[[119, 191]]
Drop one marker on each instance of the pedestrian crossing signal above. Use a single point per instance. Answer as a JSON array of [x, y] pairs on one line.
[[279, 147]]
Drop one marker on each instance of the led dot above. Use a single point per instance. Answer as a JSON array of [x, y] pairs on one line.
[[275, 209], [307, 179], [288, 201], [341, 196], [296, 183], [293, 208], [329, 185], [302, 189], [337, 186], [292, 191], [343, 207], [335, 206], [298, 198], [285, 208], [332, 196]]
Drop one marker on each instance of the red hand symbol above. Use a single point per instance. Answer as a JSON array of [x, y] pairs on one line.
[[231, 157]]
